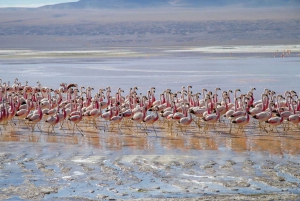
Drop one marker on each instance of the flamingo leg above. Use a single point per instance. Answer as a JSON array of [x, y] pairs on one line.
[[127, 126], [62, 129], [12, 124], [120, 129], [197, 123], [37, 125], [181, 129], [79, 129], [214, 126], [74, 128], [137, 131], [154, 130], [112, 127], [230, 128], [61, 125]]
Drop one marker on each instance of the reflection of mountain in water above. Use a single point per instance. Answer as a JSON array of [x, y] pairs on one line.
[[169, 3]]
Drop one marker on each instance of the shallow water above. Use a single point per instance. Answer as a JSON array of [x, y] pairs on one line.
[[278, 74], [167, 165]]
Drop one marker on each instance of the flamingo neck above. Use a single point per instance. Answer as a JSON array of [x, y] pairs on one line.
[[156, 116], [174, 108], [1, 94], [60, 98], [153, 97], [64, 113], [207, 108], [248, 117], [163, 99], [281, 119], [298, 106], [293, 108]]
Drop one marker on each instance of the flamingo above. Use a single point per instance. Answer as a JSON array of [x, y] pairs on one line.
[[260, 107], [94, 113], [151, 119], [35, 118], [294, 118], [21, 114], [211, 119], [187, 119], [62, 117], [53, 110], [238, 114], [11, 112], [76, 119], [231, 111], [52, 121], [274, 122], [264, 116], [117, 120], [139, 117], [242, 121], [223, 108], [108, 115]]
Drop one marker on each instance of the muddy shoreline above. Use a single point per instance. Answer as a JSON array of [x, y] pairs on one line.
[[107, 165]]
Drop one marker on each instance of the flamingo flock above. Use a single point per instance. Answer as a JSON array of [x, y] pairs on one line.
[[70, 107]]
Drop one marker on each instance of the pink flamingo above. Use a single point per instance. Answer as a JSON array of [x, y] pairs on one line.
[[240, 113], [187, 119], [211, 119], [62, 117], [294, 118], [242, 121], [21, 114], [76, 119], [151, 119], [117, 120], [36, 117], [139, 117], [259, 107], [52, 121], [95, 113], [264, 116], [274, 122]]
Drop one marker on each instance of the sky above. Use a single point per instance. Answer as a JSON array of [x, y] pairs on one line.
[[30, 3], [38, 3]]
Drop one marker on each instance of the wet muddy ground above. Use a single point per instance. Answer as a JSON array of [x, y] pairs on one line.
[[103, 165]]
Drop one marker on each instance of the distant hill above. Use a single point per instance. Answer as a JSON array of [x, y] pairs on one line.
[[112, 4]]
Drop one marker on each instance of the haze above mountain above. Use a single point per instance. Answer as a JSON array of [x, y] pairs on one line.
[[98, 4], [115, 23]]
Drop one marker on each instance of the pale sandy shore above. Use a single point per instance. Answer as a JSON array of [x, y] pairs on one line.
[[221, 51]]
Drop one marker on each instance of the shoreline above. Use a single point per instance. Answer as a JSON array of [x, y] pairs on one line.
[[240, 51]]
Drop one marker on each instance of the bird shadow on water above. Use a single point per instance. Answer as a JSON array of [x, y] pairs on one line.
[[250, 140]]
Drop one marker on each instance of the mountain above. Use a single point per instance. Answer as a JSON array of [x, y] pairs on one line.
[[112, 4], [108, 4]]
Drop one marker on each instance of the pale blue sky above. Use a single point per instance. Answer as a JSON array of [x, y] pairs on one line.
[[30, 3]]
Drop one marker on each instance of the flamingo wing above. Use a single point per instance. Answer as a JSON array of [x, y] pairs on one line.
[[241, 120], [274, 120]]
